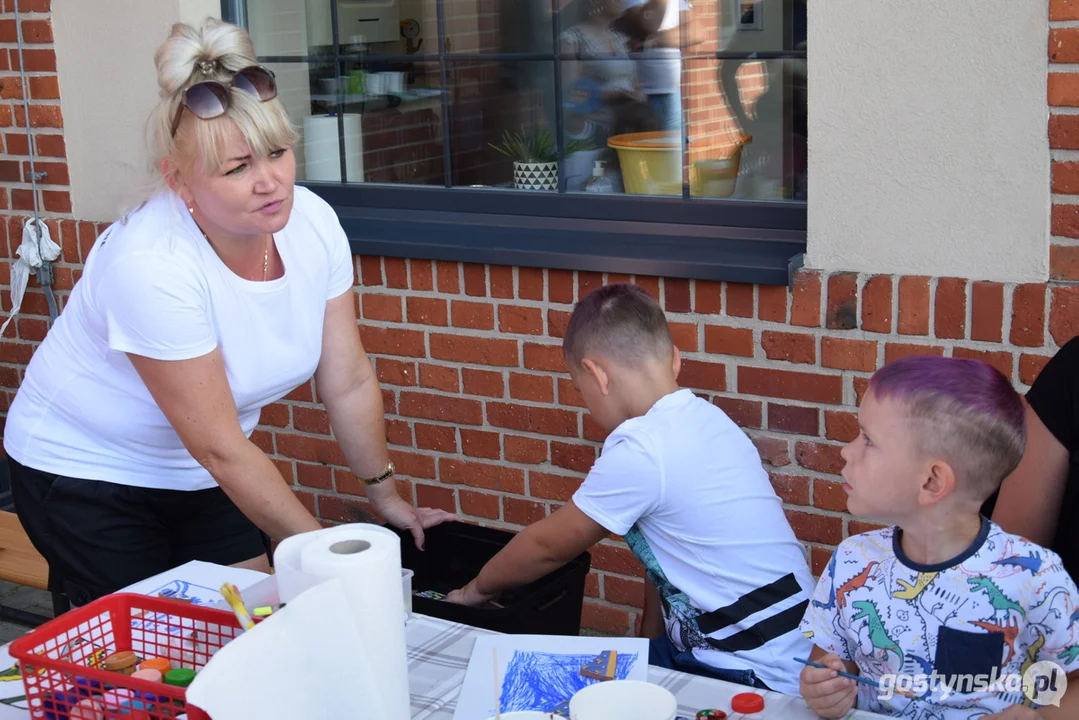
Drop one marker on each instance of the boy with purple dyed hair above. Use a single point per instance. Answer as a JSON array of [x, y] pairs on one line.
[[945, 611]]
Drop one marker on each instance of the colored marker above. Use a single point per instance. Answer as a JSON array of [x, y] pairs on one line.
[[231, 593]]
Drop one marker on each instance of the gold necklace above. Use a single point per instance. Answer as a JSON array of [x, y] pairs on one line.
[[265, 250]]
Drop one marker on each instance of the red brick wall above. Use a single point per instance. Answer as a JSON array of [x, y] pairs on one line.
[[481, 416], [484, 419], [46, 119]]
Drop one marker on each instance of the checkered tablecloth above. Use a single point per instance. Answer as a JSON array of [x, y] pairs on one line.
[[438, 655], [439, 651]]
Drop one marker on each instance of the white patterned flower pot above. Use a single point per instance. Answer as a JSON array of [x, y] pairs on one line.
[[535, 175]]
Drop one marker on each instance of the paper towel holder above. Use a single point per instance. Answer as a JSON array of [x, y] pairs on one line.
[[350, 547]]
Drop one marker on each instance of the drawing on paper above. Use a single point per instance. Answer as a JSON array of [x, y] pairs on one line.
[[184, 590], [542, 672], [174, 590], [542, 681]]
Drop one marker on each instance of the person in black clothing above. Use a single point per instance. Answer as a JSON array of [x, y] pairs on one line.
[[1040, 499]]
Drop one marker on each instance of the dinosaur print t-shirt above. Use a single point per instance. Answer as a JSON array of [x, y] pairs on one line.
[[1001, 606]]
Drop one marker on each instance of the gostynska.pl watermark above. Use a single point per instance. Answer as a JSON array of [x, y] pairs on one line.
[[1044, 683]]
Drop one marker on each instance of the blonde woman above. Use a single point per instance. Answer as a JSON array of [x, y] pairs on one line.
[[129, 440]]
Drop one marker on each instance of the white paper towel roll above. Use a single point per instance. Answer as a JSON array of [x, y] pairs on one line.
[[291, 578], [322, 152], [367, 559], [337, 648]]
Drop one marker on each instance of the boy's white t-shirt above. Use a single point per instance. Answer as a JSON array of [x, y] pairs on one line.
[[685, 486], [153, 286]]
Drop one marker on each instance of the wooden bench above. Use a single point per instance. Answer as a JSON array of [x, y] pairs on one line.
[[22, 564]]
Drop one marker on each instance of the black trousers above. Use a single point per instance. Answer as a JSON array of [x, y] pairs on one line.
[[99, 537]]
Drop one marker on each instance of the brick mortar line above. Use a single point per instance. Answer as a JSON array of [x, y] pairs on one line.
[[764, 362], [755, 323], [547, 467], [1005, 330], [813, 510], [720, 320], [515, 401], [931, 321], [30, 74], [764, 432], [20, 185]]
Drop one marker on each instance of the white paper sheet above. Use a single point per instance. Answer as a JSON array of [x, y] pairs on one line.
[[536, 672], [197, 581]]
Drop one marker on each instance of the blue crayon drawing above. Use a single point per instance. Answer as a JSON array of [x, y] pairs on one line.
[[184, 590], [177, 590], [542, 681]]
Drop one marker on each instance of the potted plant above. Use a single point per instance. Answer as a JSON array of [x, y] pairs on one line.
[[535, 157]]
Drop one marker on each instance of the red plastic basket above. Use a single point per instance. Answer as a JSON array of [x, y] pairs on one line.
[[61, 661]]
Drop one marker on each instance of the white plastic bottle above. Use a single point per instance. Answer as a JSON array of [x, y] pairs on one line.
[[599, 183]]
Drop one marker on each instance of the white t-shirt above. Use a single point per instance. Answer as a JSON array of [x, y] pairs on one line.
[[685, 486], [153, 286], [999, 607]]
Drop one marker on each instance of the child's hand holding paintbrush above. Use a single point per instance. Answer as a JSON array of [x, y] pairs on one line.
[[830, 686], [827, 687]]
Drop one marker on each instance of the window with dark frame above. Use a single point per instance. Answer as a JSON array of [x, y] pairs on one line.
[[658, 137]]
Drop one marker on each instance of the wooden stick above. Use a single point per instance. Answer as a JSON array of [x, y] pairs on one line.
[[498, 694]]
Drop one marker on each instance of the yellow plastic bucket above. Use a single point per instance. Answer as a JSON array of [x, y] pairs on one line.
[[651, 162], [717, 176]]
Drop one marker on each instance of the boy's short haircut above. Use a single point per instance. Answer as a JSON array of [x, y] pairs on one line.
[[962, 411], [621, 322]]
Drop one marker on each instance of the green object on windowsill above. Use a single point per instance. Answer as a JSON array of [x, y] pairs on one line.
[[537, 146], [356, 82]]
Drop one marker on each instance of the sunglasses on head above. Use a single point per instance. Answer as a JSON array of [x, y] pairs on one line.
[[210, 98]]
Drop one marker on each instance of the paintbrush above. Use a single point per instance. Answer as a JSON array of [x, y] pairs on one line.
[[856, 678]]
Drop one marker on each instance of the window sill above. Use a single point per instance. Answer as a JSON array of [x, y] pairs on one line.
[[669, 237]]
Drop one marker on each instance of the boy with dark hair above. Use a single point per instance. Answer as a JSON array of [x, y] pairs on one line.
[[943, 604], [728, 580]]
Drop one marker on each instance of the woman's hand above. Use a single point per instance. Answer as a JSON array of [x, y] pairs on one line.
[[469, 595], [402, 515]]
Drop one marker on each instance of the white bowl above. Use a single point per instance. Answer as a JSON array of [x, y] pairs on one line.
[[623, 699]]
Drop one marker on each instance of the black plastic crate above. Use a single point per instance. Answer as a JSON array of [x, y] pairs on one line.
[[455, 552]]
